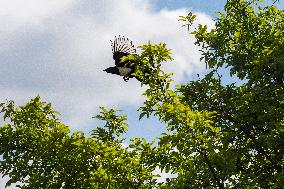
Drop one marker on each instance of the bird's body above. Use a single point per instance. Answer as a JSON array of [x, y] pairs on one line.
[[124, 71], [121, 47], [117, 58]]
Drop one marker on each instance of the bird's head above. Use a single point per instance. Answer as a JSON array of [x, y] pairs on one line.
[[112, 70]]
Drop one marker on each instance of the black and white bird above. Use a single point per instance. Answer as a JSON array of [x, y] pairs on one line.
[[121, 47]]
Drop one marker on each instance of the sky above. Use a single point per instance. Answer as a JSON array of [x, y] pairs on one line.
[[58, 49]]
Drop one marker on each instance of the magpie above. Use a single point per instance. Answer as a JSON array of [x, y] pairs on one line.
[[121, 47]]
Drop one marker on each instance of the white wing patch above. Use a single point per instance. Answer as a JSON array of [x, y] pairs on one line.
[[124, 71]]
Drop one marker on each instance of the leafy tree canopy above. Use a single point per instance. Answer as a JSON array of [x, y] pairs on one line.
[[219, 136]]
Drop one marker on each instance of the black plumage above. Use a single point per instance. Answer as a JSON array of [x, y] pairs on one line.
[[121, 47]]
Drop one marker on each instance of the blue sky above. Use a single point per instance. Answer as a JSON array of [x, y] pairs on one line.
[[209, 6], [58, 49]]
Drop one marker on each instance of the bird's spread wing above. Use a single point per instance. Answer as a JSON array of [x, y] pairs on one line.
[[121, 46]]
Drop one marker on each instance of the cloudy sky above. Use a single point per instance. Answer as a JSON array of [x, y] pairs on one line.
[[58, 49]]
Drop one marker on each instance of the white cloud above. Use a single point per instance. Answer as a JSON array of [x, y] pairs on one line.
[[163, 175], [15, 14], [58, 49], [3, 182]]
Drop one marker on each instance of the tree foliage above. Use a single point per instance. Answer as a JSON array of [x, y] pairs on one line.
[[218, 136], [40, 152]]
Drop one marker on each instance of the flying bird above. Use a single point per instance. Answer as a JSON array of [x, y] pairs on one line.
[[121, 47]]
